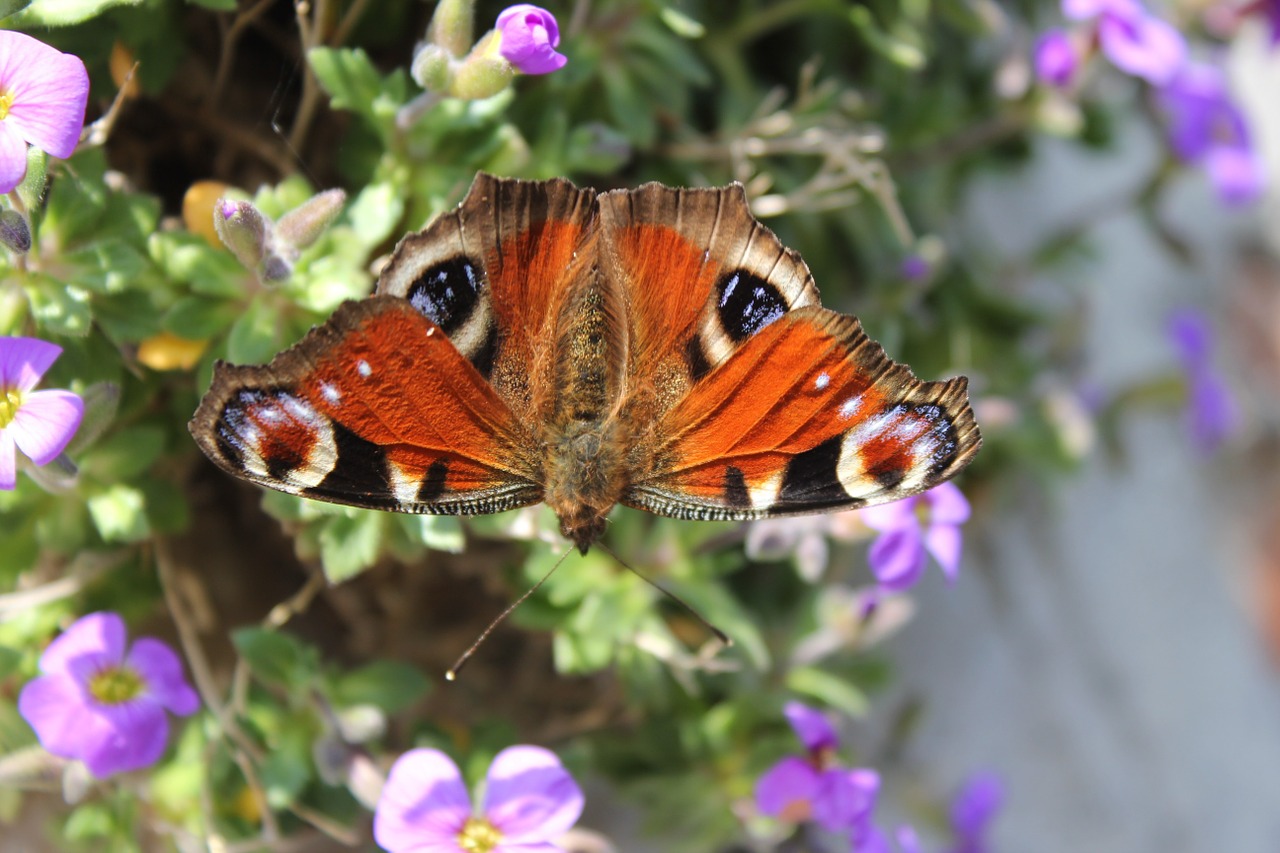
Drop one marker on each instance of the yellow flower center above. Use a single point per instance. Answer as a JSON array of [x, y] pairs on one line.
[[478, 836], [9, 404], [115, 685], [6, 103]]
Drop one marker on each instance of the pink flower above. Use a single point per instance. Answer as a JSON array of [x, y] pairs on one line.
[[528, 37], [897, 556], [1055, 58], [39, 423], [103, 702], [1135, 41], [43, 93], [529, 801]]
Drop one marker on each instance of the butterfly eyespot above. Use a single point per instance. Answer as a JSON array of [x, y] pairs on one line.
[[747, 304], [447, 293]]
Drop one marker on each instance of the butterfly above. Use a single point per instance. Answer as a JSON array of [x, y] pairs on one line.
[[654, 347]]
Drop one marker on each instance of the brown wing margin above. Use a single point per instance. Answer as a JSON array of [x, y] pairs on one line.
[[808, 416], [375, 408]]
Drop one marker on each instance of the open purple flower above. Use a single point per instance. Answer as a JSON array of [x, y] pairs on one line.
[[811, 788], [528, 37], [897, 556], [972, 811], [529, 801], [43, 93], [39, 423], [102, 701], [1135, 41], [1212, 414], [1206, 127]]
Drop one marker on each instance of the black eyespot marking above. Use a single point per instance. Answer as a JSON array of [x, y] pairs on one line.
[[447, 293], [747, 304], [735, 488], [433, 483]]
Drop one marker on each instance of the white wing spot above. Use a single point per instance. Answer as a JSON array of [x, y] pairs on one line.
[[363, 368], [822, 381], [850, 407], [431, 331], [330, 392]]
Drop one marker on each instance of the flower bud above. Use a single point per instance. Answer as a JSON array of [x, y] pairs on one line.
[[303, 225], [15, 232], [432, 67], [243, 229], [451, 26], [481, 75]]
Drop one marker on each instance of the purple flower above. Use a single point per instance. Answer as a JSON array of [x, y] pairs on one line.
[[43, 93], [528, 37], [103, 702], [1136, 42], [1212, 413], [801, 789], [1206, 127], [897, 556], [529, 801], [1055, 58], [39, 423], [972, 811]]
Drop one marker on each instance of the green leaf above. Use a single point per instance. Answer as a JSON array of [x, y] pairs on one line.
[[374, 213], [442, 533], [353, 83], [105, 266], [901, 48], [126, 454], [349, 544], [209, 270], [59, 309], [9, 661], [276, 657], [197, 318], [9, 7], [829, 689], [255, 335], [681, 24], [120, 515], [61, 13], [389, 685], [89, 821]]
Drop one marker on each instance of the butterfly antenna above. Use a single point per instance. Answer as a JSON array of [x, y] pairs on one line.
[[451, 674], [720, 635]]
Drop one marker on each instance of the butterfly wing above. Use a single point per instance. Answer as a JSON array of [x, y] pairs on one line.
[[748, 399], [376, 408], [808, 415]]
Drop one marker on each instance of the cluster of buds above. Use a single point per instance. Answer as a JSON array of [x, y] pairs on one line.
[[269, 248], [523, 41]]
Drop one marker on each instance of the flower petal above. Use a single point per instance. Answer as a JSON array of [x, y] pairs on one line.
[[92, 642], [423, 805], [975, 805], [13, 157], [8, 461], [529, 36], [1142, 45], [24, 360], [126, 736], [945, 542], [49, 91], [161, 669], [845, 799], [45, 423], [811, 726], [947, 504], [787, 789], [529, 796], [890, 516], [1236, 172], [1055, 58], [897, 558]]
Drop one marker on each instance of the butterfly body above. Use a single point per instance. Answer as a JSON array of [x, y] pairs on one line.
[[654, 347]]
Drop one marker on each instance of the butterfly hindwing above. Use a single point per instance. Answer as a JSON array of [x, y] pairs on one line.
[[376, 408]]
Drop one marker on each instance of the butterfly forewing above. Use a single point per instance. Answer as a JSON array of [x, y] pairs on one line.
[[376, 408]]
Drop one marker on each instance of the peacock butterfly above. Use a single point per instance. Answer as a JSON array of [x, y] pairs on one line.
[[654, 347]]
